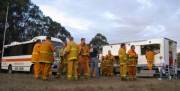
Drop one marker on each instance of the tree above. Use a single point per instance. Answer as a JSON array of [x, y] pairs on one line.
[[100, 40], [26, 21]]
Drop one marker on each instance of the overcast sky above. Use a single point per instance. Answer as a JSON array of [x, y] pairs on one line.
[[118, 20]]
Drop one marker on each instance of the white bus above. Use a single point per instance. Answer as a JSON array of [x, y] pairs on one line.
[[162, 47], [17, 55]]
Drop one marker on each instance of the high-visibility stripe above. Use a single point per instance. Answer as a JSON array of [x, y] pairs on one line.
[[75, 76], [73, 49], [69, 76], [45, 61], [131, 65], [72, 58], [122, 63], [131, 59], [46, 52], [35, 53]]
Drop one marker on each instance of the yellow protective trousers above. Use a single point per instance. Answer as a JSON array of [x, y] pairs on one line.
[[150, 64], [45, 70], [72, 69], [103, 70], [110, 70], [83, 64], [131, 71], [62, 65], [37, 70], [123, 70]]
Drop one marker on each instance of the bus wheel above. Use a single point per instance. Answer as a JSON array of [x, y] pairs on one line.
[[32, 69], [10, 71]]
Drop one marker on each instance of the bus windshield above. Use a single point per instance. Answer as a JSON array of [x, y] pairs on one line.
[[58, 46]]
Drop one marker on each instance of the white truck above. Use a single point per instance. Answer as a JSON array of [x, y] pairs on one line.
[[162, 47]]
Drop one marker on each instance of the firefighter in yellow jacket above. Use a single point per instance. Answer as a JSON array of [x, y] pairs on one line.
[[35, 59], [63, 60], [72, 53], [83, 51], [123, 65], [150, 58], [132, 63], [110, 63], [46, 57], [103, 68]]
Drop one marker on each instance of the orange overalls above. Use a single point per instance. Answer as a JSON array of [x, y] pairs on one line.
[[150, 59], [35, 60], [132, 64], [110, 64], [46, 58], [83, 62]]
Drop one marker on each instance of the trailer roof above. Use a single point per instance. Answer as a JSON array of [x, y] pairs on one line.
[[143, 40]]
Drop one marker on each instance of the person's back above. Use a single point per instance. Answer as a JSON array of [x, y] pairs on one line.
[[72, 50], [46, 51], [150, 55]]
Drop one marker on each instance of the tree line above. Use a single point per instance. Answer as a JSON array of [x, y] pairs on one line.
[[25, 21]]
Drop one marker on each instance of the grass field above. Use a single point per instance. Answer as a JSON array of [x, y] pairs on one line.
[[25, 82]]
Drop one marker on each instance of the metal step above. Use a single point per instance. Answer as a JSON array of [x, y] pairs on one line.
[[146, 73]]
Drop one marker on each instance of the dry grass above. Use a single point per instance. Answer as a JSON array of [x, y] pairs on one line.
[[25, 82]]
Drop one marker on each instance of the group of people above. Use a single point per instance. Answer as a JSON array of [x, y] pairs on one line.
[[74, 57], [78, 57]]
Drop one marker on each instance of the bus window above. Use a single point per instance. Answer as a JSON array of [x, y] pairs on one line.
[[30, 48], [154, 47], [14, 50], [20, 50], [7, 51]]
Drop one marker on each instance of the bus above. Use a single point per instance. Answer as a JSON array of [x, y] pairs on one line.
[[161, 46], [17, 55]]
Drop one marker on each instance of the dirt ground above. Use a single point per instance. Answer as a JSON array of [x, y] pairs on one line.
[[25, 82]]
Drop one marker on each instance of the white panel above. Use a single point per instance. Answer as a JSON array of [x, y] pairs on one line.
[[166, 51]]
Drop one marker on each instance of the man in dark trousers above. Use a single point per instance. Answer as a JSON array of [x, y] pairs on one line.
[[94, 60]]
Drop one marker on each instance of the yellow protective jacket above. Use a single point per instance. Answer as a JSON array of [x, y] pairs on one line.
[[46, 52], [103, 63], [110, 60], [35, 53], [63, 57], [72, 51], [150, 56], [132, 59], [86, 52], [122, 56]]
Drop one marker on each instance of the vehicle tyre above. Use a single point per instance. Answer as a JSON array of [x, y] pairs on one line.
[[32, 69], [10, 71]]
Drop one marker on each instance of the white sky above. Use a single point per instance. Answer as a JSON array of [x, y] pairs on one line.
[[118, 20]]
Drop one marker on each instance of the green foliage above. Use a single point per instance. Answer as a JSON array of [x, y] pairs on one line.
[[26, 21], [100, 40]]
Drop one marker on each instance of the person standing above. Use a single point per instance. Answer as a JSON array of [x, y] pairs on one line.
[[46, 57], [110, 63], [63, 60], [35, 59], [150, 58], [123, 59], [103, 68], [94, 60], [163, 68], [83, 51], [72, 53], [132, 63]]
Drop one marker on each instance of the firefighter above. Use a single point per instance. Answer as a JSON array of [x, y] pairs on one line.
[[63, 60], [110, 63], [72, 53], [132, 63], [103, 68], [150, 58], [123, 65], [83, 51], [35, 59], [46, 57]]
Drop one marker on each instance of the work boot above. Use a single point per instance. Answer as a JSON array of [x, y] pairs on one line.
[[69, 79], [134, 79], [57, 76]]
